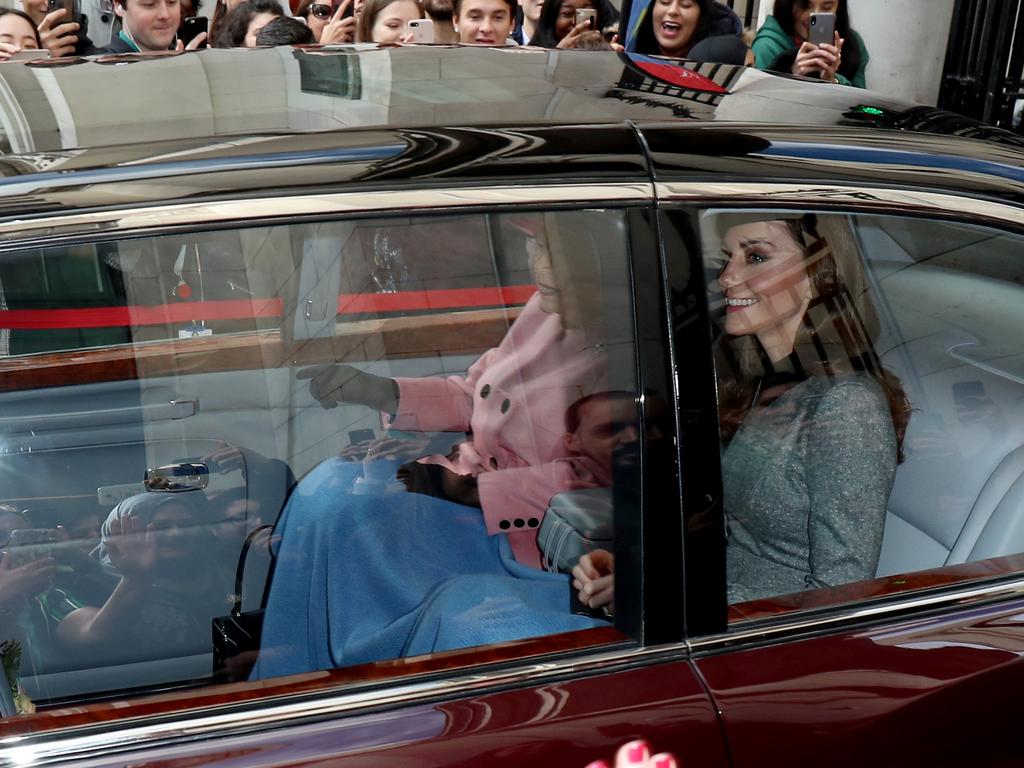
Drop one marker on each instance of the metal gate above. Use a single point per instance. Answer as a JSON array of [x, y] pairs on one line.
[[983, 76]]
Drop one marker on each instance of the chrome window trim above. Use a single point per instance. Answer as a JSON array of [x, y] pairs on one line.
[[759, 632], [866, 200], [120, 221], [849, 197], [229, 720]]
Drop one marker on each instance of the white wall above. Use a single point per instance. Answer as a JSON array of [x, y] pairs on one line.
[[907, 42]]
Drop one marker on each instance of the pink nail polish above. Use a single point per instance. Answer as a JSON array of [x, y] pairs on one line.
[[597, 764], [664, 761], [637, 752]]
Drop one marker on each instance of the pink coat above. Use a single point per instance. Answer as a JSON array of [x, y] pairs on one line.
[[512, 404]]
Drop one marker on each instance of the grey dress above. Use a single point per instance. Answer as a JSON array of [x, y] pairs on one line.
[[807, 480]]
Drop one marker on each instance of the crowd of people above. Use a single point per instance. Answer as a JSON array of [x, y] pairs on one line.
[[702, 30]]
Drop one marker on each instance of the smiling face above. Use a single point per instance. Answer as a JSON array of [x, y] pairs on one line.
[[152, 24], [802, 14], [14, 30], [765, 283], [390, 23], [675, 24], [484, 22]]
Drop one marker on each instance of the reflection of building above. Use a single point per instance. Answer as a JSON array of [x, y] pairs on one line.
[[984, 68], [234, 93]]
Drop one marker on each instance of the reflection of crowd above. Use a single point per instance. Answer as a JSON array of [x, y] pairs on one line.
[[702, 30], [142, 583]]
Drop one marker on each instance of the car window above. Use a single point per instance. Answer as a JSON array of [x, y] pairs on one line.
[[869, 378], [411, 426]]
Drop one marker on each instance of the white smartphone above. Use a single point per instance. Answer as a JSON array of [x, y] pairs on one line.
[[822, 29], [587, 14], [422, 30], [29, 54]]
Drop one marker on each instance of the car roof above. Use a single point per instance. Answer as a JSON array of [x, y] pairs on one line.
[[405, 111], [133, 99]]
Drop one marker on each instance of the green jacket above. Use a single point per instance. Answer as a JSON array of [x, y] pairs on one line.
[[772, 41]]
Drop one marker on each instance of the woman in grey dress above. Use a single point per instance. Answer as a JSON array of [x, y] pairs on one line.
[[811, 422]]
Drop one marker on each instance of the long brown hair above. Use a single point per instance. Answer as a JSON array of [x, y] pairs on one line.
[[837, 334], [372, 9], [220, 10]]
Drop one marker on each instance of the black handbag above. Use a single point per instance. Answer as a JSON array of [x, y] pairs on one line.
[[236, 637]]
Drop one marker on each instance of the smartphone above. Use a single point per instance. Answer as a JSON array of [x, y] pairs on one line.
[[191, 27], [587, 14], [29, 54], [577, 607], [422, 30], [29, 544], [822, 29], [72, 8]]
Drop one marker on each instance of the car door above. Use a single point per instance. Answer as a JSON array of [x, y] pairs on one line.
[[916, 661], [404, 292]]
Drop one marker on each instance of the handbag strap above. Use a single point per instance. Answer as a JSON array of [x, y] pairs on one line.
[[236, 607]]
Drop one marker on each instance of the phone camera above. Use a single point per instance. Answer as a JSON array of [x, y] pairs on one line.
[[814, 21]]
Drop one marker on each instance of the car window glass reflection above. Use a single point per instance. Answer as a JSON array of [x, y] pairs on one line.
[[399, 435], [812, 422], [868, 374], [436, 551]]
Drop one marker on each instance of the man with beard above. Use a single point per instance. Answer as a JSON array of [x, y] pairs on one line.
[[441, 12]]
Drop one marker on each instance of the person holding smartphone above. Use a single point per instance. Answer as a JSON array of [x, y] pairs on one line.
[[59, 30], [17, 33], [149, 25], [784, 44], [386, 21], [329, 23], [316, 14], [559, 26]]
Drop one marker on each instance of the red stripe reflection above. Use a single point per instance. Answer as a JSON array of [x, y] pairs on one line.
[[246, 309]]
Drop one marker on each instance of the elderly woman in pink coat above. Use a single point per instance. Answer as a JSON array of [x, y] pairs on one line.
[[356, 571]]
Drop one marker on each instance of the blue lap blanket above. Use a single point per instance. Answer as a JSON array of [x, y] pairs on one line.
[[368, 577]]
